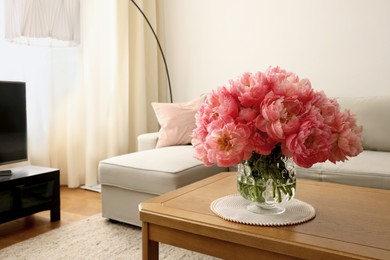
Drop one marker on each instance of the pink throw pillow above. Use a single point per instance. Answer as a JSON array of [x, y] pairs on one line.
[[177, 121]]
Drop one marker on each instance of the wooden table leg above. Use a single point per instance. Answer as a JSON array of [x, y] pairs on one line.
[[149, 247]]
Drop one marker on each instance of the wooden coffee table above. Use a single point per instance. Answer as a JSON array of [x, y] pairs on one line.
[[351, 223]]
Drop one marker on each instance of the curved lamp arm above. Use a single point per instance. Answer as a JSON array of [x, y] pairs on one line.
[[159, 46]]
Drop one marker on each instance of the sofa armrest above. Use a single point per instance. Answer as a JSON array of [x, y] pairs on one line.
[[147, 141]]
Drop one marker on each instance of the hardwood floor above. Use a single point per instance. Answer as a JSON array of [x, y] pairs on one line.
[[76, 204]]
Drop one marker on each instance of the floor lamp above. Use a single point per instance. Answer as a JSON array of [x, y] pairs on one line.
[[159, 46]]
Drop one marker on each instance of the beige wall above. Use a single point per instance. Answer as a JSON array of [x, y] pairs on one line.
[[342, 46]]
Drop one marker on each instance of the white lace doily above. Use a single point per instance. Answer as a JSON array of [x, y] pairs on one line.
[[234, 208]]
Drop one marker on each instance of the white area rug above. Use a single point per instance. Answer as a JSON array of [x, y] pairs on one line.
[[93, 238]]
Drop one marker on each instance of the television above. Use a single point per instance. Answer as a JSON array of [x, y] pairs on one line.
[[13, 122]]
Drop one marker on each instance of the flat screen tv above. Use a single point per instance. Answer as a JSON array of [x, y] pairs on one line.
[[13, 122]]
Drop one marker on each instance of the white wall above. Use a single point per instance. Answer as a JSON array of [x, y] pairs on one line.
[[342, 46]]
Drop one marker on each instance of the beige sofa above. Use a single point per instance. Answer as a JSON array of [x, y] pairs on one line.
[[129, 179]]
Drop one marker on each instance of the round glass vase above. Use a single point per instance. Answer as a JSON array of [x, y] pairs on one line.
[[268, 181]]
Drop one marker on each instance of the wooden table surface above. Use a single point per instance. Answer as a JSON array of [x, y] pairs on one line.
[[351, 223]]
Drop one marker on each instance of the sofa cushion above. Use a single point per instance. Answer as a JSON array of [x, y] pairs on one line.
[[373, 114], [177, 121], [369, 169], [155, 171]]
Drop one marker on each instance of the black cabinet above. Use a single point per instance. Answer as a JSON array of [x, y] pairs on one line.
[[30, 189]]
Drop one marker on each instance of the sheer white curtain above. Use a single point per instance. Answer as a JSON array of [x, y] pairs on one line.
[[88, 90], [101, 104], [101, 92], [90, 102]]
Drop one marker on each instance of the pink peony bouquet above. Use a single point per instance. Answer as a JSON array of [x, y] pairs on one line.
[[260, 111]]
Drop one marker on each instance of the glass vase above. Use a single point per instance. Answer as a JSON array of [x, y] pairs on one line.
[[268, 181]]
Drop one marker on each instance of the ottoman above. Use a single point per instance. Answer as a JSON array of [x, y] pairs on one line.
[[129, 179]]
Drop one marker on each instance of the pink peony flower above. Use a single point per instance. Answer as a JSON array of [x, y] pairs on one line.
[[261, 143], [347, 137], [257, 112], [279, 116], [220, 103], [226, 143], [311, 143], [250, 88], [247, 115]]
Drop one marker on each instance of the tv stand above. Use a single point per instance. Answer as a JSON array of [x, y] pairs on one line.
[[28, 190]]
